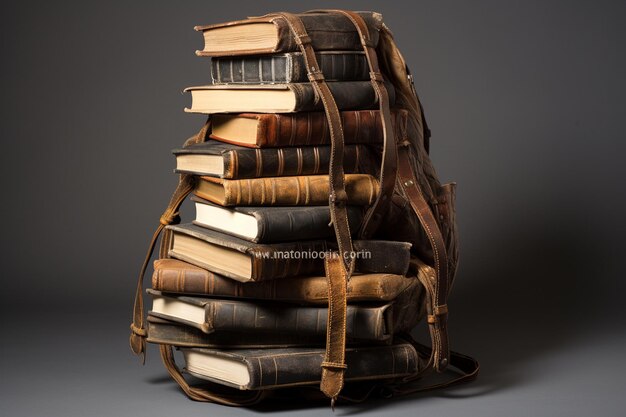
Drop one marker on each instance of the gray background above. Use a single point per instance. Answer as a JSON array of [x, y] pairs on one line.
[[526, 104]]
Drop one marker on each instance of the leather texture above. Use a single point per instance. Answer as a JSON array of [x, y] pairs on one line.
[[288, 68], [175, 276], [304, 190], [326, 32], [311, 128], [271, 368], [372, 322], [244, 163], [421, 212]]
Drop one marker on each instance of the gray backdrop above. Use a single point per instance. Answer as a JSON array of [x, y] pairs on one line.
[[526, 104]]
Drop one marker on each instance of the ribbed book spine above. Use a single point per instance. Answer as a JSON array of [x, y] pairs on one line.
[[287, 68]]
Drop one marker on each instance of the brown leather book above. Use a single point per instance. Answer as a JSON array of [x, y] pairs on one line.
[[270, 34], [378, 322], [260, 130], [253, 369], [304, 190], [171, 333], [175, 276], [245, 261]]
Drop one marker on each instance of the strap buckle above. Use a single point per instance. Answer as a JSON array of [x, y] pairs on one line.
[[339, 198]]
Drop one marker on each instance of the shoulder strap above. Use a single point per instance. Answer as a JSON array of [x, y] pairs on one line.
[[387, 177], [338, 269], [169, 216]]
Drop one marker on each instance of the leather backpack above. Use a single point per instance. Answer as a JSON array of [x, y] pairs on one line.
[[411, 206]]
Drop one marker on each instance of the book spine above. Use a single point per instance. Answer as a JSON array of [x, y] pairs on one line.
[[310, 223], [311, 128], [277, 162], [327, 32], [296, 191], [288, 260], [170, 333], [367, 363], [348, 95], [286, 68], [362, 323]]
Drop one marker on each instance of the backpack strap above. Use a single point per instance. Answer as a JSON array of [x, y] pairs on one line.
[[185, 185], [437, 289], [387, 178], [338, 269]]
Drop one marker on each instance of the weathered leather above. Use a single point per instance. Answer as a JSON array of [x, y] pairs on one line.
[[175, 276], [311, 128], [326, 32], [303, 190]]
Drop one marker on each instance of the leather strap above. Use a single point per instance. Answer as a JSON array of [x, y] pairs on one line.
[[185, 185], [219, 395], [387, 178], [333, 366], [437, 290]]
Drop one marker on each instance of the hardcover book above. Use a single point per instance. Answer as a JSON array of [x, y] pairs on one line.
[[259, 130], [274, 368], [271, 224], [175, 276], [363, 322], [263, 35], [218, 159], [304, 190], [288, 68], [245, 261], [281, 98], [167, 332]]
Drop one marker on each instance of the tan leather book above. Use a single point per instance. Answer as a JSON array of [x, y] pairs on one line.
[[175, 276], [304, 190]]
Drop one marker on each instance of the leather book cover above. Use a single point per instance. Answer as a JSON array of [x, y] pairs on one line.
[[175, 276], [327, 32], [285, 224], [303, 190], [167, 332], [348, 95], [242, 162], [288, 68], [311, 128], [363, 321], [275, 368], [268, 261]]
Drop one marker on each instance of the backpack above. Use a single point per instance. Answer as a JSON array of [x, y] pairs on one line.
[[411, 206]]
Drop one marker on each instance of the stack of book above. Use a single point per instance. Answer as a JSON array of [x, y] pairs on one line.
[[242, 292]]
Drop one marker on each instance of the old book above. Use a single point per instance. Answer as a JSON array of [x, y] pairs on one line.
[[253, 369], [259, 130], [167, 332], [175, 276], [288, 68], [271, 224], [245, 261], [304, 190], [281, 98], [214, 158], [363, 322], [272, 34]]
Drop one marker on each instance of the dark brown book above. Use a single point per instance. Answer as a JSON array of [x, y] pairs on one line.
[[213, 315], [167, 332], [245, 261], [303, 190], [281, 98], [175, 276], [272, 224], [274, 368], [270, 34], [223, 160], [261, 130]]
